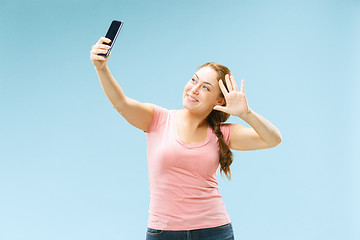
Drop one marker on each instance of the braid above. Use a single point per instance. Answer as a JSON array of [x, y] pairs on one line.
[[225, 155]]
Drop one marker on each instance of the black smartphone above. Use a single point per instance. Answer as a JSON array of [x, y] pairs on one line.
[[112, 34]]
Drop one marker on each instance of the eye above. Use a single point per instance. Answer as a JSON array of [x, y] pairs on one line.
[[193, 80], [206, 88]]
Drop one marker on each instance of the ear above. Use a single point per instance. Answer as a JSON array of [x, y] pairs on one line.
[[221, 101]]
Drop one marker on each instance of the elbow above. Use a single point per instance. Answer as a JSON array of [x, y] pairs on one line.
[[278, 141], [275, 143]]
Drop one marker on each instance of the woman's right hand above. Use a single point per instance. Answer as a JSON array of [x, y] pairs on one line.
[[100, 61]]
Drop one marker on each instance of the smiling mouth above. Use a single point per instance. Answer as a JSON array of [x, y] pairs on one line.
[[191, 99]]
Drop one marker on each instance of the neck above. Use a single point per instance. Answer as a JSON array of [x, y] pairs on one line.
[[195, 120]]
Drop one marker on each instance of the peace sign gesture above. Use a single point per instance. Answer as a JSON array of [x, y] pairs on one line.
[[236, 103]]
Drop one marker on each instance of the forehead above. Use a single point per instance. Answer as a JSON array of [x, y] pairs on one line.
[[207, 74]]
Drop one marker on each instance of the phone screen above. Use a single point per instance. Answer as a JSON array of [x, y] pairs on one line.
[[112, 34]]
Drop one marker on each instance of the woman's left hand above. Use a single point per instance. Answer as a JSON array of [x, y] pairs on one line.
[[236, 103]]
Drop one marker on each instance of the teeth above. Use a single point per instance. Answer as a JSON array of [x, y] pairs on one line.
[[192, 98]]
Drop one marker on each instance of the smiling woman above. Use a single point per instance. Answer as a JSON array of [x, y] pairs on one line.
[[206, 95], [186, 146]]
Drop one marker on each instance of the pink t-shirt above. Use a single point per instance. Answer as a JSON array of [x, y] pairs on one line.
[[184, 192]]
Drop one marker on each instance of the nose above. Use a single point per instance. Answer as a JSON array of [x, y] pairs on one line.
[[195, 89]]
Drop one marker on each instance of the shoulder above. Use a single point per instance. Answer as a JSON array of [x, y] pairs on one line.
[[226, 125], [160, 115], [226, 129]]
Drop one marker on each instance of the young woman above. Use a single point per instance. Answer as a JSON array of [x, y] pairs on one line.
[[186, 146]]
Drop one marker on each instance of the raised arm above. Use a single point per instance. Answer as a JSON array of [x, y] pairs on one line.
[[136, 113], [263, 133]]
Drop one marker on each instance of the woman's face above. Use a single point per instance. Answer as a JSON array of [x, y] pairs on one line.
[[202, 92]]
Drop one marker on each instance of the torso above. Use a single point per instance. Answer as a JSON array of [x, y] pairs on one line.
[[187, 133]]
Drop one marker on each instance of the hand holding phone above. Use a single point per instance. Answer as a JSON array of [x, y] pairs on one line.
[[112, 34]]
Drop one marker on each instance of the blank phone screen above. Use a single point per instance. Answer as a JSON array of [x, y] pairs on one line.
[[113, 31]]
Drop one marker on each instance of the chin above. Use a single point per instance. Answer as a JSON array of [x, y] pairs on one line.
[[191, 108], [188, 105]]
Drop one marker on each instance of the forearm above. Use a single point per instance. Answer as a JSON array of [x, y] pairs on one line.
[[266, 130], [111, 88]]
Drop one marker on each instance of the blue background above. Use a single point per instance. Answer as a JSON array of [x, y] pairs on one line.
[[72, 168]]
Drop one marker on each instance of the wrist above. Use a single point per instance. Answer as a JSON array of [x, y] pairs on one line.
[[101, 68], [246, 114]]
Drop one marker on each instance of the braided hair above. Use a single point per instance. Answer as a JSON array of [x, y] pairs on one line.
[[216, 117]]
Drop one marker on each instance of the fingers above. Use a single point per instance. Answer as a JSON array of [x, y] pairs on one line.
[[242, 85], [231, 83], [222, 87], [94, 54], [234, 83], [99, 51], [100, 48], [228, 83], [98, 57], [104, 40]]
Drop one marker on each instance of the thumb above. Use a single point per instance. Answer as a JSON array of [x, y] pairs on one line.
[[219, 108]]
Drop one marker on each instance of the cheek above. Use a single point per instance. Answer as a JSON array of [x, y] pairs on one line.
[[213, 95], [215, 98], [187, 87]]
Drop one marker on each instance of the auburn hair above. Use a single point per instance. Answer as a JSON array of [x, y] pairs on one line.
[[216, 117]]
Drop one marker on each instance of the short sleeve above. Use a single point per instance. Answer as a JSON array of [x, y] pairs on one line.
[[226, 128], [159, 117]]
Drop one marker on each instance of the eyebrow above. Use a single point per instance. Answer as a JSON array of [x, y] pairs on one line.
[[204, 82]]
